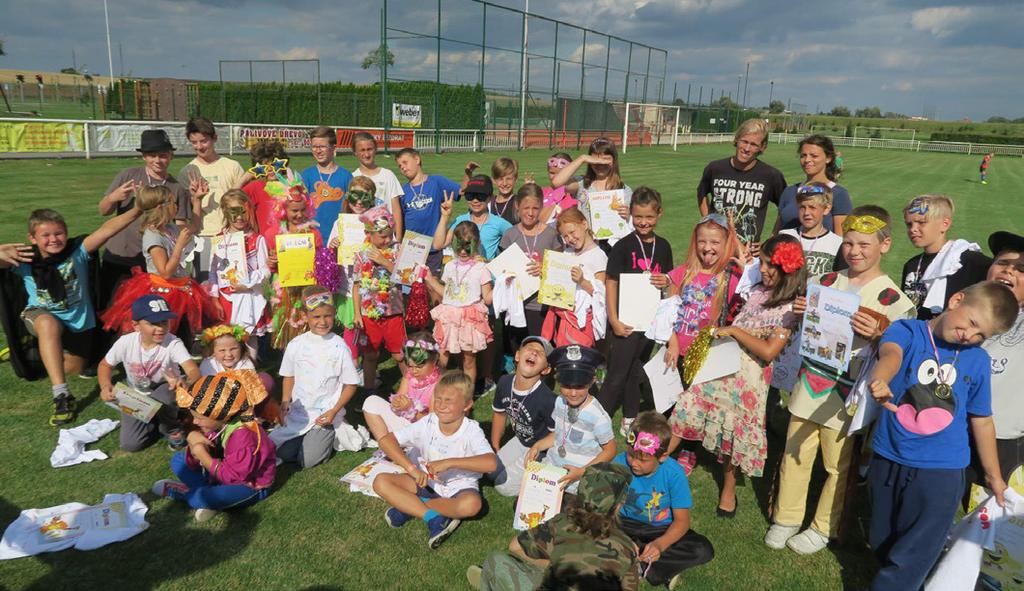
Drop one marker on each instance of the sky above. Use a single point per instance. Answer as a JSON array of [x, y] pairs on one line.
[[908, 56]]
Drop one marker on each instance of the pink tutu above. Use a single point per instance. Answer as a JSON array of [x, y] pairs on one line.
[[461, 329]]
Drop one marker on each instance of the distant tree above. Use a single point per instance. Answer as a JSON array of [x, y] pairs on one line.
[[375, 57], [1018, 120], [892, 115], [868, 113], [839, 111], [776, 106], [997, 119]]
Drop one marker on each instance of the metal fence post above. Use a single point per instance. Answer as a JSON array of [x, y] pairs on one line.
[[437, 86]]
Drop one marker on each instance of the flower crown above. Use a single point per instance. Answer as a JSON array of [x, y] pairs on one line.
[[422, 344], [377, 219], [788, 256], [215, 332]]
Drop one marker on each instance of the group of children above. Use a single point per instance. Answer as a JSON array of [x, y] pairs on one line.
[[916, 346]]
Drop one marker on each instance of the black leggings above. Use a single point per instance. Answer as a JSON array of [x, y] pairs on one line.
[[689, 551], [625, 374]]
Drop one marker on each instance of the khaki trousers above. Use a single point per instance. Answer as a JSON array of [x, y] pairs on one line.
[[803, 439]]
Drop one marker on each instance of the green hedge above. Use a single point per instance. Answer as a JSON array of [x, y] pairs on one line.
[[340, 103], [975, 138]]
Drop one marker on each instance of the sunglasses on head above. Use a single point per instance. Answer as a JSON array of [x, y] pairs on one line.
[[810, 190], [716, 218]]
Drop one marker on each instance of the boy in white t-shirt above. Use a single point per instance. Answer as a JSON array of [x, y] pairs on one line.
[[388, 190], [220, 174], [319, 378], [149, 355], [449, 455]]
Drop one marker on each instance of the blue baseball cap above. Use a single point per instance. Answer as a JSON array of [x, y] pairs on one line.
[[152, 308]]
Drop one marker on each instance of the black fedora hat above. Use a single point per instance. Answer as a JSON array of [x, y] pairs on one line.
[[154, 140]]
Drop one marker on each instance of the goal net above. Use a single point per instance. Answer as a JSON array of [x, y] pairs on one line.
[[646, 124]]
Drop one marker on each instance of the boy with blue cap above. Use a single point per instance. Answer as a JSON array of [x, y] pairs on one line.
[[583, 430], [149, 355]]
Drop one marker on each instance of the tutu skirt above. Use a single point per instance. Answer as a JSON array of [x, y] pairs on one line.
[[184, 296], [461, 329]]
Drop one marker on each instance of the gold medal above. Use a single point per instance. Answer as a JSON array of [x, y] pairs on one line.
[[943, 391]]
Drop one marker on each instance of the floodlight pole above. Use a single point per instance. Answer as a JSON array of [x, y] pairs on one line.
[[522, 77], [110, 54]]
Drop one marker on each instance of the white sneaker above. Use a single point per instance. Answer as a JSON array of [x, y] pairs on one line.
[[778, 535], [626, 425], [205, 514], [166, 486], [807, 542]]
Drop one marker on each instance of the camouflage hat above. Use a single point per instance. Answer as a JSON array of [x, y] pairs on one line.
[[603, 486]]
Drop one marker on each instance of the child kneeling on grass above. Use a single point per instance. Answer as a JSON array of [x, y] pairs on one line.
[[936, 380], [656, 515], [230, 460], [450, 454], [580, 548]]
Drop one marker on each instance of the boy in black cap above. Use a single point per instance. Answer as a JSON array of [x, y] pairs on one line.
[[583, 430], [524, 400], [124, 250], [477, 192]]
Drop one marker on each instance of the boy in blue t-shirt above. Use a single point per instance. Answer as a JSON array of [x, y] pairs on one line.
[[325, 181], [59, 312], [421, 199], [656, 514], [932, 378]]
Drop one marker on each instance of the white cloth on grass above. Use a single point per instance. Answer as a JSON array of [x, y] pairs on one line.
[[71, 443], [74, 525]]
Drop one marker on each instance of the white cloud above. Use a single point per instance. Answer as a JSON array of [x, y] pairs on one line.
[[940, 20], [295, 53]]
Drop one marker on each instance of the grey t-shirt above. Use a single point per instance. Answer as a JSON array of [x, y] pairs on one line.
[[1007, 353], [533, 247], [151, 238], [128, 242]]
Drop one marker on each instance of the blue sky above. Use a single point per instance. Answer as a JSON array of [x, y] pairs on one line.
[[966, 60]]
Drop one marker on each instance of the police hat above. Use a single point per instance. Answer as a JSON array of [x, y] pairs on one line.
[[575, 365]]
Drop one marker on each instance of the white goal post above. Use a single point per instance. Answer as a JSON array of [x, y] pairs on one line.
[[648, 124]]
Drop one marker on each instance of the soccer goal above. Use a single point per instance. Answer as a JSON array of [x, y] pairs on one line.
[[884, 133], [645, 124]]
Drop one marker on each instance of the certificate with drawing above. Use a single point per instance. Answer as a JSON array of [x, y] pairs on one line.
[[351, 235], [540, 496], [556, 285], [413, 252], [134, 403], [826, 335], [295, 256], [638, 300], [230, 248], [512, 262], [605, 221], [361, 478]]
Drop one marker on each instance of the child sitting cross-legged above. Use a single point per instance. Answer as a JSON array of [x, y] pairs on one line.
[[656, 515], [524, 400], [149, 355], [229, 463], [450, 453]]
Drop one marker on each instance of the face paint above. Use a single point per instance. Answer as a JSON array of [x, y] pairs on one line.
[[234, 213]]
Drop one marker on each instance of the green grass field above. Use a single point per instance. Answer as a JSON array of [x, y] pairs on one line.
[[313, 533]]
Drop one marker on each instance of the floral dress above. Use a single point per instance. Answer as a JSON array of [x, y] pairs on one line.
[[728, 414]]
